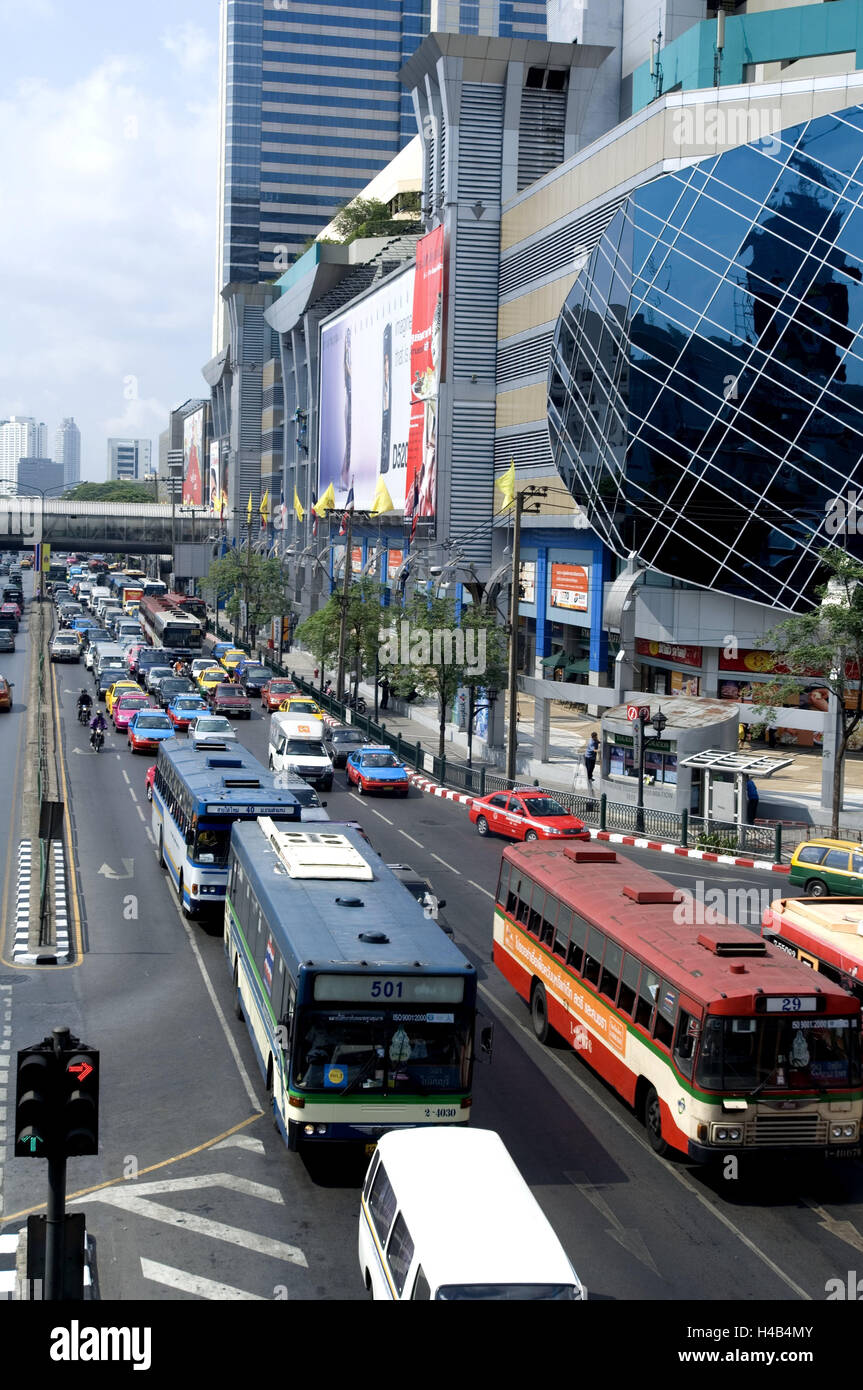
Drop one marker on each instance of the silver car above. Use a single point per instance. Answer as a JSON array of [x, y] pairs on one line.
[[211, 728]]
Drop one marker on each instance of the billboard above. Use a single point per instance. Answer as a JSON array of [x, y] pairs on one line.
[[193, 443], [365, 395], [426, 352], [214, 491], [569, 587]]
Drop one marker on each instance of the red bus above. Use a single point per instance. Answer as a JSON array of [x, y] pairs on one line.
[[166, 626], [718, 1040], [185, 603], [824, 933]]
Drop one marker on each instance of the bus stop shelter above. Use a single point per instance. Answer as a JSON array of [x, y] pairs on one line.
[[725, 776]]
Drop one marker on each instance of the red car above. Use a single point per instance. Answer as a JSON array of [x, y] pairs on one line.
[[528, 815], [125, 706], [230, 699], [275, 691]]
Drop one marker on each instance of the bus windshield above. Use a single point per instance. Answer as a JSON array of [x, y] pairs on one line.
[[366, 1051], [212, 843], [778, 1054]]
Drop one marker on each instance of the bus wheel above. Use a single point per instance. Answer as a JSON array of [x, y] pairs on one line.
[[539, 1012], [187, 911], [653, 1123], [816, 888], [238, 1008]]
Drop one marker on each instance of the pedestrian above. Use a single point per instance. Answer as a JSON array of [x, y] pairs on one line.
[[590, 756], [771, 736], [751, 800], [385, 693]]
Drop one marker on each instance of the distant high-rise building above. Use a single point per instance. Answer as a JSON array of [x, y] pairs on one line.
[[67, 451], [39, 476], [311, 108], [128, 459], [20, 437]]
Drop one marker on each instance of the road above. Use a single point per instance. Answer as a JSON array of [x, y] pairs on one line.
[[217, 1208]]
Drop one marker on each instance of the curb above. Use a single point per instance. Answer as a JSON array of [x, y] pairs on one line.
[[434, 789]]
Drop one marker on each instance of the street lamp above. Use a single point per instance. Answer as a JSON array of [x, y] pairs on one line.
[[658, 722]]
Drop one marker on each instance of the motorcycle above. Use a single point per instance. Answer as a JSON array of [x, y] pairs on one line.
[[356, 703], [97, 738], [84, 714]]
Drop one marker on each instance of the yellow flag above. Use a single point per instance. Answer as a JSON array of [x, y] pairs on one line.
[[217, 504], [506, 483], [326, 503], [299, 510], [264, 508], [249, 511], [383, 502]]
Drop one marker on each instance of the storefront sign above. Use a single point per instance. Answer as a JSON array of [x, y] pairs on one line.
[[527, 581], [684, 685], [569, 586], [669, 651]]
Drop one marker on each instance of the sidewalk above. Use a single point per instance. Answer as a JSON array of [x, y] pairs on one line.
[[793, 794]]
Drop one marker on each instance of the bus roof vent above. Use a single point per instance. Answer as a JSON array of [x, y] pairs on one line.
[[729, 946], [241, 781], [590, 856], [224, 762], [373, 938], [319, 854], [653, 895]]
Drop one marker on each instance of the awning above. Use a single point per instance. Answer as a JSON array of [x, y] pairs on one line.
[[552, 662], [578, 667], [748, 764]]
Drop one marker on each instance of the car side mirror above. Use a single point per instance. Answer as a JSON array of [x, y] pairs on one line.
[[324, 805]]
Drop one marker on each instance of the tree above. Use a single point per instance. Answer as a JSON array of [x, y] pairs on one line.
[[428, 650], [367, 217], [827, 643], [247, 577], [320, 632], [117, 490]]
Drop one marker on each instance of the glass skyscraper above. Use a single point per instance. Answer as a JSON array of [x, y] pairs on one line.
[[706, 386], [312, 109]]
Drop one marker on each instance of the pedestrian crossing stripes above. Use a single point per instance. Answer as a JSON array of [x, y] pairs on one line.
[[8, 1261], [21, 943], [61, 912]]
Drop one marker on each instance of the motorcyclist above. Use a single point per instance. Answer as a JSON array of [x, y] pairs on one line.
[[84, 702], [97, 724]]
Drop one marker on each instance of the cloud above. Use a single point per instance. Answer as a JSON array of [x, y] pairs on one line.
[[191, 45], [107, 244]]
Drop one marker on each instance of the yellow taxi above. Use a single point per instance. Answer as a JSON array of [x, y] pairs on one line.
[[821, 867], [209, 679], [120, 688], [26, 563], [301, 704], [232, 658]]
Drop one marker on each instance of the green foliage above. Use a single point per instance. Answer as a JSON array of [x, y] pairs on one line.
[[245, 575], [367, 217], [320, 632], [827, 643], [117, 490]]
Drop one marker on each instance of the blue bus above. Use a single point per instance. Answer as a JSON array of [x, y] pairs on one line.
[[197, 796], [361, 1010]]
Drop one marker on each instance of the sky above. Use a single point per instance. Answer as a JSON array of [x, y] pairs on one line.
[[108, 169]]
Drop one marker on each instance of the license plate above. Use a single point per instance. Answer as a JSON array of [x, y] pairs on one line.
[[849, 1151]]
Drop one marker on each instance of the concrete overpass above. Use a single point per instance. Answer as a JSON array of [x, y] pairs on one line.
[[132, 528]]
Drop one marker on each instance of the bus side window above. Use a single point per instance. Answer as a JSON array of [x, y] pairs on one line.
[[503, 882], [647, 994], [534, 921], [593, 958], [666, 1012], [685, 1040], [629, 984], [575, 949], [562, 930], [549, 919], [522, 911], [421, 1286], [610, 971], [400, 1253], [512, 892]]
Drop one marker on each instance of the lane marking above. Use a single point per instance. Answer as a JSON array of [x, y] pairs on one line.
[[446, 865], [203, 1226], [645, 1147], [842, 1230], [628, 1236], [194, 1283], [228, 1180], [481, 889], [141, 815], [126, 778], [133, 795], [241, 1141], [412, 840]]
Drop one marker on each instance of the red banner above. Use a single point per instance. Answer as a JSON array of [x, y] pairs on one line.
[[426, 353], [669, 651]]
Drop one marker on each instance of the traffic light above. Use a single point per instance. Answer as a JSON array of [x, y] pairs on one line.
[[78, 1102], [36, 1101]]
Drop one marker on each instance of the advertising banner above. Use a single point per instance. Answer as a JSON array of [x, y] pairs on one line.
[[215, 486], [425, 368], [569, 586], [669, 651], [193, 440], [394, 559], [365, 396], [527, 581]]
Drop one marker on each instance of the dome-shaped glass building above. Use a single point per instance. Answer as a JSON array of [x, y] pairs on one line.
[[706, 385]]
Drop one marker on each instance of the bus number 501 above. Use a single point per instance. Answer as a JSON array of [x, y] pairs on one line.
[[386, 989]]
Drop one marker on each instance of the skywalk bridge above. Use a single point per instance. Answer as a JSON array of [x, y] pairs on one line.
[[134, 528]]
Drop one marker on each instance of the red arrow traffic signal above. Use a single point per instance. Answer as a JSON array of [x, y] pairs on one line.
[[81, 1069]]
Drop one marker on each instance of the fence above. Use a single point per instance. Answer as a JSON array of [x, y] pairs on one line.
[[597, 812]]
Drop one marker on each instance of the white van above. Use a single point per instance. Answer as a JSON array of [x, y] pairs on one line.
[[297, 745], [445, 1214], [98, 595]]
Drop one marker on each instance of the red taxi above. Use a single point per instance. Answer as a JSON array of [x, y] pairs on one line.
[[525, 815]]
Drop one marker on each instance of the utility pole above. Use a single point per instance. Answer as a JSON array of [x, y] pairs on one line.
[[343, 620], [512, 682]]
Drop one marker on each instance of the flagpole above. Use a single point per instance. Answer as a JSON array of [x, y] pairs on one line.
[[343, 620], [512, 683]]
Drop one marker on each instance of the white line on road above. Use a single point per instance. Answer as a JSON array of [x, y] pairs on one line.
[[481, 889], [240, 1141], [446, 865], [150, 835], [193, 1283], [412, 840], [143, 818], [126, 777], [133, 795], [201, 1225], [667, 1167], [365, 804], [191, 1184]]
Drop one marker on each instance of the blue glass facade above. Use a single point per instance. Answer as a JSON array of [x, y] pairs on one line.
[[706, 387]]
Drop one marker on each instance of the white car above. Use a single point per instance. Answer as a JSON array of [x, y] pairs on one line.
[[65, 647], [212, 728]]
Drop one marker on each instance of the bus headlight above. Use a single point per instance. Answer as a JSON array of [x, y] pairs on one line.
[[726, 1134], [843, 1131]]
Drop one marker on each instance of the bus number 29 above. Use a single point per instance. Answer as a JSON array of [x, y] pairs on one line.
[[386, 989]]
